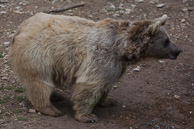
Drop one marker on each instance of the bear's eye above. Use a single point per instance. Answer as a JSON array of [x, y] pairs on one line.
[[166, 42]]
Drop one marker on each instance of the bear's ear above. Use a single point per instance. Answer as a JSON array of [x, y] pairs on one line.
[[155, 25]]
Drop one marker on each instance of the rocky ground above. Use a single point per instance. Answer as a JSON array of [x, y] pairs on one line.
[[154, 94]]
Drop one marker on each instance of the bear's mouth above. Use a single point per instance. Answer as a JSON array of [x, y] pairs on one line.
[[172, 56]]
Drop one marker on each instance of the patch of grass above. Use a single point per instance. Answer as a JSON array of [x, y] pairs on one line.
[[9, 88], [19, 90], [4, 100], [17, 111], [1, 88], [1, 55], [21, 118], [21, 98]]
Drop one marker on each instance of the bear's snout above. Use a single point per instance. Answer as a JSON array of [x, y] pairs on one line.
[[175, 54]]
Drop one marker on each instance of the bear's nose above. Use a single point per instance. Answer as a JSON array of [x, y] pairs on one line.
[[179, 51]]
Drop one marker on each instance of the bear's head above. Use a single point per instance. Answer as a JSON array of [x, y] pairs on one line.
[[160, 44]]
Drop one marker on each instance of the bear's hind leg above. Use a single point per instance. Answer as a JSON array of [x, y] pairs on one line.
[[39, 93]]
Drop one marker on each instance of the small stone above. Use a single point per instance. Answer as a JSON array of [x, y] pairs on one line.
[[139, 1], [128, 11], [177, 97], [18, 12], [32, 110], [121, 7], [18, 8], [24, 3], [185, 10], [39, 113], [137, 69], [2, 6], [4, 78], [160, 5], [6, 44], [133, 6], [183, 20], [123, 106], [90, 16], [190, 112], [190, 9], [3, 12], [161, 61], [154, 1], [111, 8], [115, 86], [0, 111], [121, 12], [116, 15]]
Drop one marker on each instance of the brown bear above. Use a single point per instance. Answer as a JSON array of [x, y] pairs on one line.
[[52, 51]]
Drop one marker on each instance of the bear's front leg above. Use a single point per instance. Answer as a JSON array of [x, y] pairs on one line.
[[84, 98], [105, 101]]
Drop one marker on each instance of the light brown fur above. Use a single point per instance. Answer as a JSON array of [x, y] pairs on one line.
[[61, 51]]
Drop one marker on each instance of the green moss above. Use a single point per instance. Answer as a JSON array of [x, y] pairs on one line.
[[19, 90], [20, 98], [21, 118], [4, 100], [1, 55]]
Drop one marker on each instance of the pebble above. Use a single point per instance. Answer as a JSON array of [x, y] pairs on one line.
[[6, 44], [121, 7], [161, 61], [123, 106], [127, 118], [111, 8], [128, 11], [3, 12], [139, 1], [2, 6], [0, 111], [116, 15], [133, 6], [137, 69], [160, 5], [183, 20], [115, 86], [190, 9], [177, 97], [4, 78], [32, 110], [154, 1], [24, 3]]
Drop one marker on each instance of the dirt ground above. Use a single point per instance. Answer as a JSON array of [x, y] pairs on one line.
[[158, 96]]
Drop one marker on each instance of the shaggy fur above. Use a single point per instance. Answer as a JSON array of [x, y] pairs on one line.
[[62, 51]]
